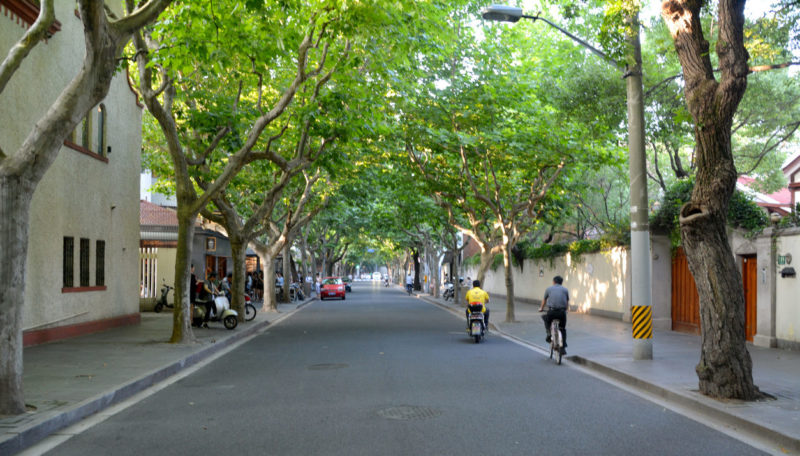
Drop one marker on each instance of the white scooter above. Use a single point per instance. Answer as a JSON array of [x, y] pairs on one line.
[[220, 311]]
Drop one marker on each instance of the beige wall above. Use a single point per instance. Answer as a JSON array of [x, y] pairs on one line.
[[79, 196], [597, 282], [787, 303]]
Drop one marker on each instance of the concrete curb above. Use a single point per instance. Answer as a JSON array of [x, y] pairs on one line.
[[701, 405], [33, 433], [706, 407]]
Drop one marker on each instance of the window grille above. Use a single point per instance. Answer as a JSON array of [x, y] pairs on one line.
[[84, 262], [100, 264], [68, 265]]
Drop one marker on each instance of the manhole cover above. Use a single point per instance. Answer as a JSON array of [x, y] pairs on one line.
[[327, 366], [409, 412]]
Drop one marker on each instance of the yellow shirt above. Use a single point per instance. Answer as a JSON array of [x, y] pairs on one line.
[[476, 296]]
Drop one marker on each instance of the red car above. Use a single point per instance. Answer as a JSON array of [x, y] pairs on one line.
[[332, 287]]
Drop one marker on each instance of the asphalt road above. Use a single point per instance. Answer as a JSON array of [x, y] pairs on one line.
[[381, 373]]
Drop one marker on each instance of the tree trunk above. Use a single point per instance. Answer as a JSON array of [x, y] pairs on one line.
[[287, 271], [15, 206], [270, 300], [239, 256], [510, 317], [304, 265], [181, 318], [415, 255], [486, 260], [725, 368]]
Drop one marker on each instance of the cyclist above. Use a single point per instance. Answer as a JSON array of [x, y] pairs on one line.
[[556, 298], [409, 282], [476, 302]]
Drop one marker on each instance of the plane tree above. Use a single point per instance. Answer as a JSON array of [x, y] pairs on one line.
[[725, 367], [216, 94], [22, 166], [492, 148]]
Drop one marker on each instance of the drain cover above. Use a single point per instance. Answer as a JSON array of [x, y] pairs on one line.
[[409, 412], [327, 366]]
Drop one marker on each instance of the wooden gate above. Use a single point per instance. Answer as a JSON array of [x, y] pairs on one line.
[[750, 283], [685, 301]]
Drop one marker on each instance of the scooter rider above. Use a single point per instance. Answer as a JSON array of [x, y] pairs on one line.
[[556, 298], [476, 302]]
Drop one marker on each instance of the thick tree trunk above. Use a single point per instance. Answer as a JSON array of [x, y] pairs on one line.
[[15, 204], [486, 260], [181, 314], [270, 300], [725, 368], [510, 317], [415, 256], [239, 256]]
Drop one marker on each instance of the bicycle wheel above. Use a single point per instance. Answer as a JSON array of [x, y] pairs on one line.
[[249, 312]]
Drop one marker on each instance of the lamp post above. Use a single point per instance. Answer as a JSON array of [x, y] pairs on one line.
[[641, 308]]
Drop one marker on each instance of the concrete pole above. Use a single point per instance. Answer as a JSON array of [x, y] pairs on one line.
[[642, 320]]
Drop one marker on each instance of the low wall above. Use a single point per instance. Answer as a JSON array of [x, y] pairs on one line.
[[787, 290], [596, 282]]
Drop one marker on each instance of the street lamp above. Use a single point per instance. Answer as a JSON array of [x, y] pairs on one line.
[[640, 231]]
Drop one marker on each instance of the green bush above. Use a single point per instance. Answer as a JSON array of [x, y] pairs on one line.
[[743, 212]]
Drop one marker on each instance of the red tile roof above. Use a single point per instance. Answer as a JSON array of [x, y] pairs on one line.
[[154, 215]]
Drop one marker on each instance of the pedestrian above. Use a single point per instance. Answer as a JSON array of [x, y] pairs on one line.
[[318, 285], [556, 299]]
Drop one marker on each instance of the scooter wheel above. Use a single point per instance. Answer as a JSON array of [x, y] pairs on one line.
[[158, 308], [249, 312], [230, 321]]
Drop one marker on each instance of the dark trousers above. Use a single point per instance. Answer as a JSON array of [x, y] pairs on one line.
[[478, 309], [561, 315]]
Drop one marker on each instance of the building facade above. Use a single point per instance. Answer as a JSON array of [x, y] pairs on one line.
[[84, 232]]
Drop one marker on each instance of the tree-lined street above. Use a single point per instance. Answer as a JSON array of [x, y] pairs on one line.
[[384, 373]]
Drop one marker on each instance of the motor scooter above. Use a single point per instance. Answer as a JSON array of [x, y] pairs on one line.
[[449, 291], [476, 325], [162, 300], [220, 311]]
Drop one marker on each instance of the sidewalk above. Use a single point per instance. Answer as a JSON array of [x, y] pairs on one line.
[[606, 346], [68, 380]]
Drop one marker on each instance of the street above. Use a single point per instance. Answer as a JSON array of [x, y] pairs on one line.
[[381, 373]]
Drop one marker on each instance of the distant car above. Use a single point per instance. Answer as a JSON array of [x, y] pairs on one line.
[[347, 281], [332, 287]]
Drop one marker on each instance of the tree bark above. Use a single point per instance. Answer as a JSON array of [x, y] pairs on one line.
[[181, 318], [510, 317], [270, 299], [725, 367], [287, 272], [239, 257], [15, 204]]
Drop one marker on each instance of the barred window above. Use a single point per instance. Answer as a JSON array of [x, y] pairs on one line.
[[68, 264], [100, 264], [84, 262]]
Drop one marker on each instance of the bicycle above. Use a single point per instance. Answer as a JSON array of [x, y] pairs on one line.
[[556, 340]]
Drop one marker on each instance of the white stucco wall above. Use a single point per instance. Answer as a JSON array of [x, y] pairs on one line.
[[597, 283], [787, 305], [79, 196]]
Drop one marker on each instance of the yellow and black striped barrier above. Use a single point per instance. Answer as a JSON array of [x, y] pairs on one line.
[[642, 322]]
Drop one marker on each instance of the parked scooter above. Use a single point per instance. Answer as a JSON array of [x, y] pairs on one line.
[[162, 300], [476, 324], [449, 291], [386, 282], [220, 311]]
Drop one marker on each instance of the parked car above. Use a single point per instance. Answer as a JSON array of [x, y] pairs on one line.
[[332, 287], [347, 281]]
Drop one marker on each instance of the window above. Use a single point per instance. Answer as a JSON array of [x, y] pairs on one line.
[[101, 130], [68, 261], [100, 264], [84, 262], [86, 131], [89, 137]]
